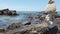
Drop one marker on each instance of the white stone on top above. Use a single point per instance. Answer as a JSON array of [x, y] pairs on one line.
[[50, 7]]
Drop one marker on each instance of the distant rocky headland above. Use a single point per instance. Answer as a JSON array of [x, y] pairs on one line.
[[8, 12]]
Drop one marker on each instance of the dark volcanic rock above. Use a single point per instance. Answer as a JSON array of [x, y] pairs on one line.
[[8, 12]]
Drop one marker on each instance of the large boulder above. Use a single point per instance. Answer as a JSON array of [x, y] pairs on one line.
[[13, 26]]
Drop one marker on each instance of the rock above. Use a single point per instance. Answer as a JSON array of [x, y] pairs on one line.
[[58, 24], [22, 32], [26, 23], [37, 16], [17, 33], [1, 12], [8, 12], [13, 26], [58, 29], [13, 12], [5, 12], [57, 15], [43, 12], [30, 16], [2, 30], [34, 29], [33, 32], [27, 32], [50, 7]]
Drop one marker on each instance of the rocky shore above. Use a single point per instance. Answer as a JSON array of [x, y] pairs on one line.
[[27, 27]]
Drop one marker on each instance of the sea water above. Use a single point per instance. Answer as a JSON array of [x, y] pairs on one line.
[[7, 20]]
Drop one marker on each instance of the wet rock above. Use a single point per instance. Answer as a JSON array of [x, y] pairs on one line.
[[13, 26], [26, 23], [2, 30]]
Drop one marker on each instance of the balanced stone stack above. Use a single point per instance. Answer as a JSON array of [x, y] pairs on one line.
[[50, 9]]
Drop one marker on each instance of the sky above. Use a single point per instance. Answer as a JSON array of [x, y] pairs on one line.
[[26, 5]]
